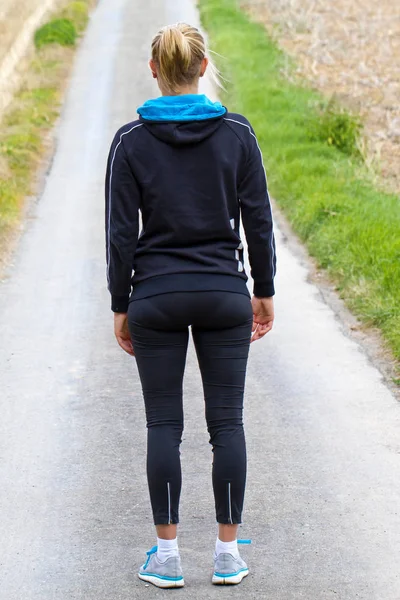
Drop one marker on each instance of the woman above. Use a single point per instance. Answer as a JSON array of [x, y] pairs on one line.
[[192, 169]]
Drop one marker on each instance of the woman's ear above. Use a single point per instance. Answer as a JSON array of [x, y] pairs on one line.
[[153, 68], [203, 67]]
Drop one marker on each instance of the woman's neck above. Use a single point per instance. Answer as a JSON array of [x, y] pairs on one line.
[[183, 91]]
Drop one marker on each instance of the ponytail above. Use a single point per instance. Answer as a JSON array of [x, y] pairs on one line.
[[177, 51]]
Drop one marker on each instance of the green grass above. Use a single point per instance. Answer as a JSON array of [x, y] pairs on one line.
[[58, 31], [337, 127], [21, 145], [77, 12], [350, 227], [34, 110]]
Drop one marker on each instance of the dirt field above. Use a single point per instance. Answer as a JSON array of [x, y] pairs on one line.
[[351, 49]]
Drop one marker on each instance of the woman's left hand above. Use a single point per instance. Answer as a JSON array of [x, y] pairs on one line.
[[122, 334]]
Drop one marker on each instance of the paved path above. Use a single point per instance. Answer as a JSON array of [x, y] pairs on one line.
[[323, 431]]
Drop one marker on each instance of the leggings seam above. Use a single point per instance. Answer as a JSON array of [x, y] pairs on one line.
[[169, 502]]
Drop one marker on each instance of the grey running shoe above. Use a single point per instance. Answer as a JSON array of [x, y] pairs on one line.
[[164, 575], [229, 570]]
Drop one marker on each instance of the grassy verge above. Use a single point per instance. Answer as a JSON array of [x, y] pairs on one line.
[[349, 226], [35, 108]]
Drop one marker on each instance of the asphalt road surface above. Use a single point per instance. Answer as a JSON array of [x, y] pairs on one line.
[[322, 429]]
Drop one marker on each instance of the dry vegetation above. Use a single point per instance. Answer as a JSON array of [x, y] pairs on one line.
[[350, 49], [26, 123], [13, 13], [18, 20]]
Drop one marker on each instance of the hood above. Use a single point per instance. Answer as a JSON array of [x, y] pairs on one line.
[[181, 120]]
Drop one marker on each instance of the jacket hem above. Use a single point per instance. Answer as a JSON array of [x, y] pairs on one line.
[[188, 282]]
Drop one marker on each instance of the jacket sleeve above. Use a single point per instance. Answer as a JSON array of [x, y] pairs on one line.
[[122, 224], [257, 220]]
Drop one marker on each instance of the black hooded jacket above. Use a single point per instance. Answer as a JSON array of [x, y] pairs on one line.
[[192, 181]]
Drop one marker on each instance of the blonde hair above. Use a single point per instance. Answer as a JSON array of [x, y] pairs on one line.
[[177, 51]]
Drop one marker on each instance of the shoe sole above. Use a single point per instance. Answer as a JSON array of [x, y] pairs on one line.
[[162, 583], [229, 579]]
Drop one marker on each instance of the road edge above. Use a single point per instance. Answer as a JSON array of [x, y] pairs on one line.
[[369, 339]]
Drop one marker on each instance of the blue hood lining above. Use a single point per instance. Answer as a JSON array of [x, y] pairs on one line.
[[187, 107]]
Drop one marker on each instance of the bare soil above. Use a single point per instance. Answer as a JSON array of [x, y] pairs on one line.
[[349, 49]]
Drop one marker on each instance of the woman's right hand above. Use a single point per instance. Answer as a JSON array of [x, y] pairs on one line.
[[122, 334], [263, 317]]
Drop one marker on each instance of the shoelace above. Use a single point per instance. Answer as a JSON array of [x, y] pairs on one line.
[[244, 541], [149, 555]]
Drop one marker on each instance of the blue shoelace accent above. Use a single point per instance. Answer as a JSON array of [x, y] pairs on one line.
[[244, 541], [149, 555]]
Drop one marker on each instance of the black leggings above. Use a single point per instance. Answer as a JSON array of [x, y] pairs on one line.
[[221, 328]]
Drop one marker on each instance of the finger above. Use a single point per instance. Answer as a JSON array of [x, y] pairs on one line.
[[261, 331], [269, 326], [128, 349], [254, 331], [264, 329], [123, 344], [256, 335], [126, 345], [261, 335]]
